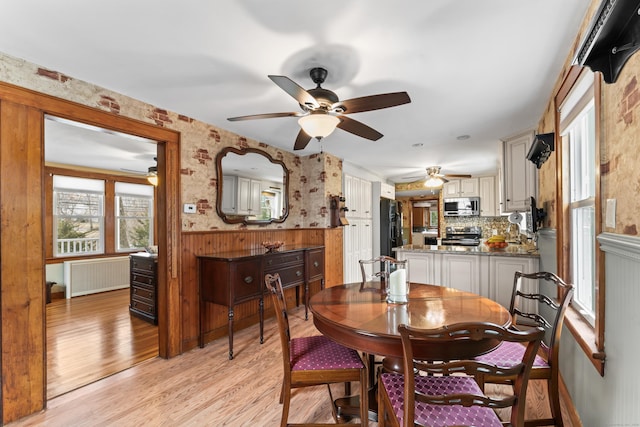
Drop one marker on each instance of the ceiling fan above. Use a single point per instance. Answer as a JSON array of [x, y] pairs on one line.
[[322, 110], [434, 178]]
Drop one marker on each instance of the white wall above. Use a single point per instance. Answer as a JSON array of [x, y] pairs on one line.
[[611, 400]]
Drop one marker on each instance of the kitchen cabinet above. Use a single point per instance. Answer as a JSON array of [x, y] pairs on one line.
[[467, 187], [229, 194], [461, 272], [484, 273], [358, 244], [249, 191], [357, 194], [501, 272], [382, 189], [487, 190], [421, 266], [520, 175]]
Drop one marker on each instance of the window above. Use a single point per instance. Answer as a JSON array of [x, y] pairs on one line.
[[78, 215], [134, 216], [579, 221]]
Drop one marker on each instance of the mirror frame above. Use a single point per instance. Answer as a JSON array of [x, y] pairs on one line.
[[236, 219]]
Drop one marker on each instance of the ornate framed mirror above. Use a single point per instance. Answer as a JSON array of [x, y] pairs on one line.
[[253, 187]]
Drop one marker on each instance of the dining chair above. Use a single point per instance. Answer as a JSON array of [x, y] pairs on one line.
[[439, 394], [314, 360], [544, 308], [373, 270]]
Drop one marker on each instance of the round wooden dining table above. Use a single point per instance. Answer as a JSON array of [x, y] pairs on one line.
[[357, 315]]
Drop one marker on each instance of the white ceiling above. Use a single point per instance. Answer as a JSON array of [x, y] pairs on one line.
[[478, 68]]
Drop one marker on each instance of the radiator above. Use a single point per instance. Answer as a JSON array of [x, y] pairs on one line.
[[84, 277]]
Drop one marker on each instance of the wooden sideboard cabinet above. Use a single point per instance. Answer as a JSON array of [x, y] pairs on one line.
[[143, 301], [230, 278]]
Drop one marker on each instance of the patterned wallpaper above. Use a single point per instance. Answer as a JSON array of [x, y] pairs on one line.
[[619, 159], [312, 179]]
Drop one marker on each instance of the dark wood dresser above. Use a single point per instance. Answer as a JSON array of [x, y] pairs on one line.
[[230, 278], [144, 286]]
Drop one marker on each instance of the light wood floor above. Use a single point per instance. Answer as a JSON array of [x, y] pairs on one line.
[[203, 388], [94, 336]]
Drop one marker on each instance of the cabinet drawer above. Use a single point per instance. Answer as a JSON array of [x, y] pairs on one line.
[[246, 281], [143, 293], [292, 275], [315, 264], [143, 265], [142, 279], [273, 262], [143, 306]]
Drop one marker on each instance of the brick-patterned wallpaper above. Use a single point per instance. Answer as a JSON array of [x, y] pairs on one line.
[[311, 179]]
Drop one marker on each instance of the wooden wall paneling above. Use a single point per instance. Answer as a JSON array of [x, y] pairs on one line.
[[22, 277], [333, 265]]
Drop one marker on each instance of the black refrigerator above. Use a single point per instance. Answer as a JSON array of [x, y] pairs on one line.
[[390, 226]]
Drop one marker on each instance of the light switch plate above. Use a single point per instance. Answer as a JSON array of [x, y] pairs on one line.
[[189, 208], [610, 219]]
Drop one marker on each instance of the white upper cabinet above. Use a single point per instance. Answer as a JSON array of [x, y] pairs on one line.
[[248, 196], [357, 194], [467, 187], [519, 179], [488, 203]]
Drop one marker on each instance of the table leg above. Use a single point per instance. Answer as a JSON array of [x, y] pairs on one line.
[[261, 311], [230, 322]]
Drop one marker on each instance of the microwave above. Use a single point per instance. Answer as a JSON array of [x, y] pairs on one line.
[[462, 206]]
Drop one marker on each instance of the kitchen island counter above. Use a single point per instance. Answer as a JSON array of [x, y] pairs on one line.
[[477, 269], [509, 251]]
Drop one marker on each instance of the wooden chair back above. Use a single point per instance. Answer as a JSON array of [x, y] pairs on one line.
[[545, 308], [468, 332], [274, 286]]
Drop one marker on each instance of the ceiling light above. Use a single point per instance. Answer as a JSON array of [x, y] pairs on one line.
[[433, 182], [152, 175], [318, 124]]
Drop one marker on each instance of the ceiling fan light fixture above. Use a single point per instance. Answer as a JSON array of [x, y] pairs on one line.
[[433, 182], [152, 175], [318, 124]]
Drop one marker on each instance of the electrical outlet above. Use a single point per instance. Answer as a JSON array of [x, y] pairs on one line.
[[189, 208]]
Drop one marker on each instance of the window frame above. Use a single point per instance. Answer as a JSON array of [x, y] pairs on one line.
[[100, 217], [109, 248], [117, 217], [589, 337]]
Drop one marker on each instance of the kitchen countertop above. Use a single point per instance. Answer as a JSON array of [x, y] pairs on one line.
[[511, 251]]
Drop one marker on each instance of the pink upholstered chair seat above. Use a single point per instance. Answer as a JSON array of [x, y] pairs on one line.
[[320, 353], [510, 353], [436, 415]]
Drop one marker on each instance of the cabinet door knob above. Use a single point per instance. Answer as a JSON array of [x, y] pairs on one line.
[[316, 263], [248, 279], [298, 273]]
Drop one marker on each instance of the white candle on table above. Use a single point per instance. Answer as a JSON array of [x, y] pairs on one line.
[[397, 282]]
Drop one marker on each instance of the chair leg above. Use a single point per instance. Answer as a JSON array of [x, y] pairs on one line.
[[554, 402], [381, 405], [282, 393], [347, 388], [286, 401], [364, 398]]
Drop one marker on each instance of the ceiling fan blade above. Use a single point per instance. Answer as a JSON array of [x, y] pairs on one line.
[[295, 90], [301, 140], [372, 102], [357, 128], [456, 176], [265, 116]]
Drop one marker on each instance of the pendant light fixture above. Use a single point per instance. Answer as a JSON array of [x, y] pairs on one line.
[[152, 174]]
